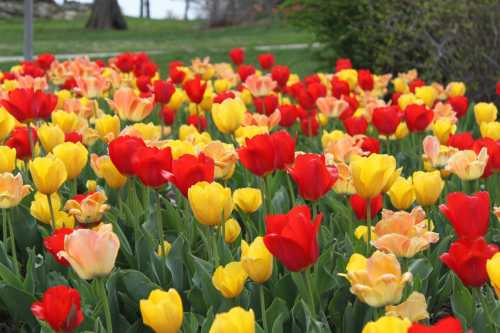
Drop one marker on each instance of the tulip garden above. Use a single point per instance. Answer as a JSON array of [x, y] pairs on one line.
[[239, 197]]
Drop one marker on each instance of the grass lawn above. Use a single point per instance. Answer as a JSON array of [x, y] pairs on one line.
[[174, 39]]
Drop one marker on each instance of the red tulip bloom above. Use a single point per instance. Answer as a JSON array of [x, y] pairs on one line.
[[45, 60], [122, 150], [313, 178], [20, 141], [266, 105], [266, 60], [360, 206], [343, 63], [493, 148], [340, 87], [176, 75], [352, 101], [365, 79], [461, 141], [167, 115], [418, 117], [200, 122], [498, 88], [395, 98], [27, 104], [245, 71], [258, 155], [163, 91], [60, 308], [445, 325], [355, 125], [73, 137], [147, 68], [143, 84], [468, 214], [292, 238], [415, 84], [69, 84], [237, 56], [125, 62], [150, 162], [386, 119], [280, 74], [32, 69], [467, 258], [219, 98], [284, 148], [188, 170], [370, 145], [460, 105], [195, 89], [309, 125], [55, 243], [288, 115]]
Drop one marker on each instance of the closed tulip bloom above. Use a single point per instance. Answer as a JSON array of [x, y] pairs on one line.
[[455, 89], [39, 208], [87, 208], [247, 199], [224, 156], [237, 56], [162, 311], [195, 90], [467, 259], [211, 203], [7, 159], [108, 127], [74, 157], [284, 148], [442, 129], [67, 121], [418, 117], [149, 163], [256, 259], [236, 320], [371, 174], [448, 325], [490, 130], [91, 252], [493, 270], [12, 190], [121, 151], [485, 112], [387, 324], [230, 279], [378, 280], [293, 238], [20, 141], [461, 141], [428, 94], [428, 186], [163, 91], [48, 173], [402, 193], [258, 155], [50, 136], [7, 123], [189, 170], [232, 230], [228, 115], [360, 206], [386, 119], [104, 168], [468, 165], [460, 105], [414, 308]]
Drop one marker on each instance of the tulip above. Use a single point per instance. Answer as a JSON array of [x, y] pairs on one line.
[[266, 60], [108, 127], [121, 151], [129, 106], [493, 270], [163, 91], [55, 243], [387, 324], [309, 126], [104, 168], [48, 173], [448, 325], [28, 104], [162, 311], [230, 279], [442, 129], [288, 115], [231, 231], [87, 208], [461, 141], [258, 155], [149, 164], [247, 199], [342, 63], [292, 238], [20, 140], [12, 190], [418, 117], [348, 75], [360, 206], [91, 253], [371, 174], [163, 250], [493, 151], [236, 320], [74, 156], [7, 123], [485, 112], [257, 261], [40, 210], [460, 105], [386, 119], [224, 156], [467, 258], [428, 187], [60, 308], [402, 193], [284, 149], [428, 94], [228, 115], [455, 89], [468, 165], [280, 74], [189, 170], [365, 79], [237, 56], [211, 203], [260, 87], [195, 90], [147, 132], [490, 130], [413, 309], [50, 136], [7, 159]]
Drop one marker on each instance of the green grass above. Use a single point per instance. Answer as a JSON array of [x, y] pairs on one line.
[[174, 39]]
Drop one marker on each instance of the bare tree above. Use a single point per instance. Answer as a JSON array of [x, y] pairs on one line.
[[106, 14], [187, 4], [141, 8], [148, 11]]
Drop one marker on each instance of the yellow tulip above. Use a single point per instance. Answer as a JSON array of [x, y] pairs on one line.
[[248, 132], [361, 232], [164, 250], [455, 89], [402, 131], [211, 203], [231, 231], [236, 320], [12, 190], [414, 308], [490, 130], [248, 199], [387, 324], [185, 131], [180, 148], [350, 76], [221, 85], [230, 279], [402, 193], [104, 168], [257, 261], [108, 127], [89, 209], [246, 96], [91, 185], [148, 132], [371, 174], [442, 129], [224, 156], [7, 123], [67, 121], [7, 159], [40, 206], [428, 94], [493, 269], [74, 157], [177, 99], [428, 186], [468, 165], [162, 311], [329, 137], [407, 99], [400, 85], [48, 173], [50, 136], [62, 96], [228, 115], [485, 112]]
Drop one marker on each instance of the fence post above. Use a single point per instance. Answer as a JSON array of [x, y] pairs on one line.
[[28, 30]]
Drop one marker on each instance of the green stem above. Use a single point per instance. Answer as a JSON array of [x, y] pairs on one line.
[[105, 303], [369, 225], [4, 226], [74, 187], [30, 140], [13, 244], [161, 236], [263, 307], [312, 308], [52, 213], [213, 239], [290, 189]]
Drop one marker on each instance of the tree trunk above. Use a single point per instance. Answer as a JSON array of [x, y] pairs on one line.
[[148, 11], [106, 14], [141, 10], [186, 9]]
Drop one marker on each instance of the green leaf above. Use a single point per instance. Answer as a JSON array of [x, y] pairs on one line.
[[136, 284], [462, 303], [202, 279], [18, 303], [174, 262], [277, 314], [421, 268], [9, 278]]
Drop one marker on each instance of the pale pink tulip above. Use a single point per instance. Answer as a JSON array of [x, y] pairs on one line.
[[129, 106], [260, 85]]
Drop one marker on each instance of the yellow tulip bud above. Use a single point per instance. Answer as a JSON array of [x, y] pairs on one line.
[[401, 131], [493, 269], [177, 99], [350, 76], [104, 168], [248, 199], [50, 136], [39, 208], [428, 94], [91, 185], [256, 259], [162, 311], [387, 324], [228, 115], [186, 131], [211, 203], [455, 89], [180, 148], [402, 193], [428, 187], [246, 96], [236, 320], [148, 132], [67, 121], [490, 130], [407, 99], [442, 129], [485, 112], [221, 85], [230, 279], [62, 96], [400, 86], [371, 174], [108, 127], [7, 159], [48, 173], [361, 232], [329, 137], [164, 250], [74, 157], [7, 123], [231, 231], [248, 132]]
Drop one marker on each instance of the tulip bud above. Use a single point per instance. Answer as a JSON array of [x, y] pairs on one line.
[[402, 193], [231, 231], [74, 156], [428, 186], [104, 168], [7, 123], [230, 279], [211, 203], [247, 199], [485, 112], [490, 130], [7, 159], [236, 320], [228, 115], [48, 173], [50, 136], [257, 261], [164, 250], [387, 324], [493, 270], [67, 121], [442, 129], [371, 174], [108, 127], [162, 311], [428, 94], [12, 190]]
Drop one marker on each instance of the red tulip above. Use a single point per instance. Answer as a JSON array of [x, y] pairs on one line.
[[258, 155], [27, 104], [200, 122], [370, 145], [60, 308], [219, 98], [418, 117], [292, 238], [69, 84], [32, 69], [352, 101], [386, 119], [498, 88], [343, 63], [188, 170], [395, 98], [365, 79], [355, 125], [195, 89], [445, 325], [125, 62], [266, 105], [461, 141], [45, 60], [245, 71], [163, 91], [55, 243], [415, 84], [313, 178], [149, 163], [460, 105], [309, 125], [284, 148], [467, 258], [73, 137], [237, 56], [176, 75], [147, 68], [360, 208], [340, 87], [20, 141], [468, 214], [288, 115], [280, 74], [266, 60], [493, 148], [167, 115], [121, 151], [143, 84]]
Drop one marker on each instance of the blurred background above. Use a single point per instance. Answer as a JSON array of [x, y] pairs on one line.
[[444, 39]]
